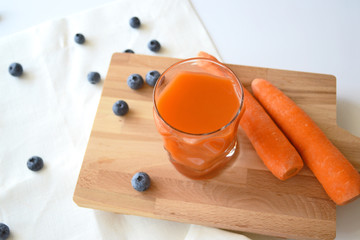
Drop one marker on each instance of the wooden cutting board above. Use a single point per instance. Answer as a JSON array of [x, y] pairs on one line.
[[246, 197]]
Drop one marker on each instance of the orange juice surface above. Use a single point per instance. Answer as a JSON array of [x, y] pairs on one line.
[[198, 103]]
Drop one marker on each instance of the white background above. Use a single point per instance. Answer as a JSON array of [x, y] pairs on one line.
[[313, 36]]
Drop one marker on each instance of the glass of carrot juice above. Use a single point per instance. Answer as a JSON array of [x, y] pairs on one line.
[[198, 104]]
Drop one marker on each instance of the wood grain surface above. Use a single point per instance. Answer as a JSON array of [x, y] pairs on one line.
[[245, 197]]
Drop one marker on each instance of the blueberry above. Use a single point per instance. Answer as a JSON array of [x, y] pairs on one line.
[[35, 163], [120, 108], [151, 77], [16, 69], [135, 81], [4, 231], [140, 181], [93, 77], [154, 45], [129, 51], [79, 38], [135, 22]]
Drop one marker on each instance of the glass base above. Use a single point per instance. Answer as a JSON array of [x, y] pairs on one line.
[[221, 163]]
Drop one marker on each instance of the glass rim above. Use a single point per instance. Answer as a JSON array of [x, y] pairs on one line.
[[208, 60]]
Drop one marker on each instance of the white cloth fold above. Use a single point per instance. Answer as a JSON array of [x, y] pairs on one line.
[[49, 112], [200, 232]]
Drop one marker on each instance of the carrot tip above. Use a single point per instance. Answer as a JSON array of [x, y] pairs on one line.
[[291, 172], [256, 80], [348, 201]]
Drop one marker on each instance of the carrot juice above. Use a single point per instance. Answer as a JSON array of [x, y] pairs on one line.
[[197, 112]]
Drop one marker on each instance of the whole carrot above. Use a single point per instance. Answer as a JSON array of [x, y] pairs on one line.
[[339, 178], [272, 146]]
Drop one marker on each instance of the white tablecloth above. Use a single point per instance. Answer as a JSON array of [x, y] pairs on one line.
[[49, 112]]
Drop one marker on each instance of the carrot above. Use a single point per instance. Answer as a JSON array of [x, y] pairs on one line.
[[210, 67], [338, 177], [206, 55], [272, 146]]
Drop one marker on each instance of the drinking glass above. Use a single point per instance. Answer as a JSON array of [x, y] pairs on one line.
[[199, 155]]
